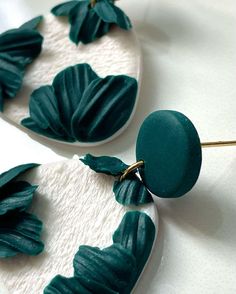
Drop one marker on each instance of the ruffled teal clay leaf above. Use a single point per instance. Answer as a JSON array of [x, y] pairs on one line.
[[62, 285], [104, 109], [69, 86], [11, 174], [18, 48], [113, 267], [20, 233], [11, 76], [105, 164], [33, 23], [136, 233], [64, 8], [45, 115], [86, 25], [26, 43], [16, 196], [131, 191], [90, 22], [110, 13], [80, 106]]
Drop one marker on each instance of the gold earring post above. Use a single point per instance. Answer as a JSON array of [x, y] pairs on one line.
[[218, 144]]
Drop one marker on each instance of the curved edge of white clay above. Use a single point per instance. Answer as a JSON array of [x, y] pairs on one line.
[[150, 210]]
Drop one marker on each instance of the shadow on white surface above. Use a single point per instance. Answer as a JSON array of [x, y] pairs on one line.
[[202, 214]]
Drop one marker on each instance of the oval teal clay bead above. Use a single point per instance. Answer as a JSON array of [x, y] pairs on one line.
[[170, 147]]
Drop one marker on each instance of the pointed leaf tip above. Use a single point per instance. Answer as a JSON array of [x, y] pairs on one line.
[[33, 23], [105, 164]]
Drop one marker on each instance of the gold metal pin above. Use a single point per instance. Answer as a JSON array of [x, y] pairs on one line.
[[138, 164], [218, 144]]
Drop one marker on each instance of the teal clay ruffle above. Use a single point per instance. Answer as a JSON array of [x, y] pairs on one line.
[[91, 20], [18, 48], [19, 230], [80, 106]]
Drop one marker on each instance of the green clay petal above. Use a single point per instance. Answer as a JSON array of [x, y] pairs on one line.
[[110, 13], [105, 164], [20, 233], [94, 287], [92, 28], [18, 48], [113, 266], [105, 107], [90, 23], [136, 233], [33, 126], [69, 86], [115, 269], [46, 111], [64, 9], [64, 110], [77, 18], [131, 191], [62, 285], [33, 23], [23, 43], [9, 175], [7, 251], [11, 76], [16, 196]]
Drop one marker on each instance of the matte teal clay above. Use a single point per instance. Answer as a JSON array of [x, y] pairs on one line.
[[90, 22], [170, 147], [114, 269]]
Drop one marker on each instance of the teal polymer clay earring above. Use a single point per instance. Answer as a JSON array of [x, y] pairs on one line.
[[86, 71], [78, 216]]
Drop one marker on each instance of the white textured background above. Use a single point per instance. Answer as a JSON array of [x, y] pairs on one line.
[[189, 51]]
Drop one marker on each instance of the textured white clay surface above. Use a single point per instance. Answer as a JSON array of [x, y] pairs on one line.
[[77, 207], [116, 53]]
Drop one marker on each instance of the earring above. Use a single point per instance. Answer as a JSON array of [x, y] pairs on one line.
[[168, 153], [84, 211], [60, 91]]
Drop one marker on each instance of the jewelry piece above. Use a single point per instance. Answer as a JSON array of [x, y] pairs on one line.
[[169, 154], [78, 207], [61, 73]]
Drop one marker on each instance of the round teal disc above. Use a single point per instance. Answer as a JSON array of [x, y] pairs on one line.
[[170, 147]]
